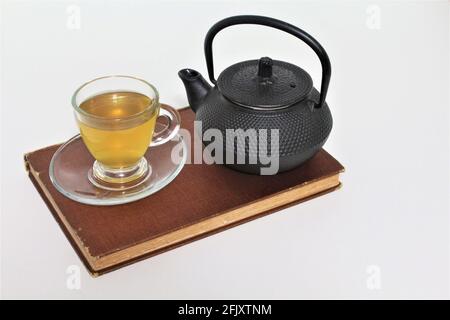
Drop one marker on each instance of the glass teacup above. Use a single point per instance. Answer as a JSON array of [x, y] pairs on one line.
[[116, 116]]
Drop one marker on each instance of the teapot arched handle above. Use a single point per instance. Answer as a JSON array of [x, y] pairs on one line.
[[277, 24]]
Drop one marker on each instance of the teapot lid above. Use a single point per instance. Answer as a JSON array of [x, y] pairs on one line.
[[264, 84]]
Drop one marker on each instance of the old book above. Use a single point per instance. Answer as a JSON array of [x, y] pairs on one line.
[[202, 200]]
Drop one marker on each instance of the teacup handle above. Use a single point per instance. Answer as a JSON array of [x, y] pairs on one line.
[[172, 128]]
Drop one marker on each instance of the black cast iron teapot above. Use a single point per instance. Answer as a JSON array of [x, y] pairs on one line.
[[272, 99]]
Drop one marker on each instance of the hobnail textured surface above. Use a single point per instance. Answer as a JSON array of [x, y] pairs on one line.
[[302, 128], [240, 83]]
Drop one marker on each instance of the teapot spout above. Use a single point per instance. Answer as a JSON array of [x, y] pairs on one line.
[[196, 87]]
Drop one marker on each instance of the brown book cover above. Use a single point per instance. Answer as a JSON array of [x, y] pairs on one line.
[[202, 200]]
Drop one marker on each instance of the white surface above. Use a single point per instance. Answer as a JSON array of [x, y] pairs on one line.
[[389, 96]]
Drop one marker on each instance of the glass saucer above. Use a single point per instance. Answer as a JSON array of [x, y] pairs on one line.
[[71, 163]]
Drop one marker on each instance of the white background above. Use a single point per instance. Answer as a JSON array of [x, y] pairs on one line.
[[389, 96]]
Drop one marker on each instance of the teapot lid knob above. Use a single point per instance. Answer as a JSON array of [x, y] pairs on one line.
[[265, 67], [264, 83]]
